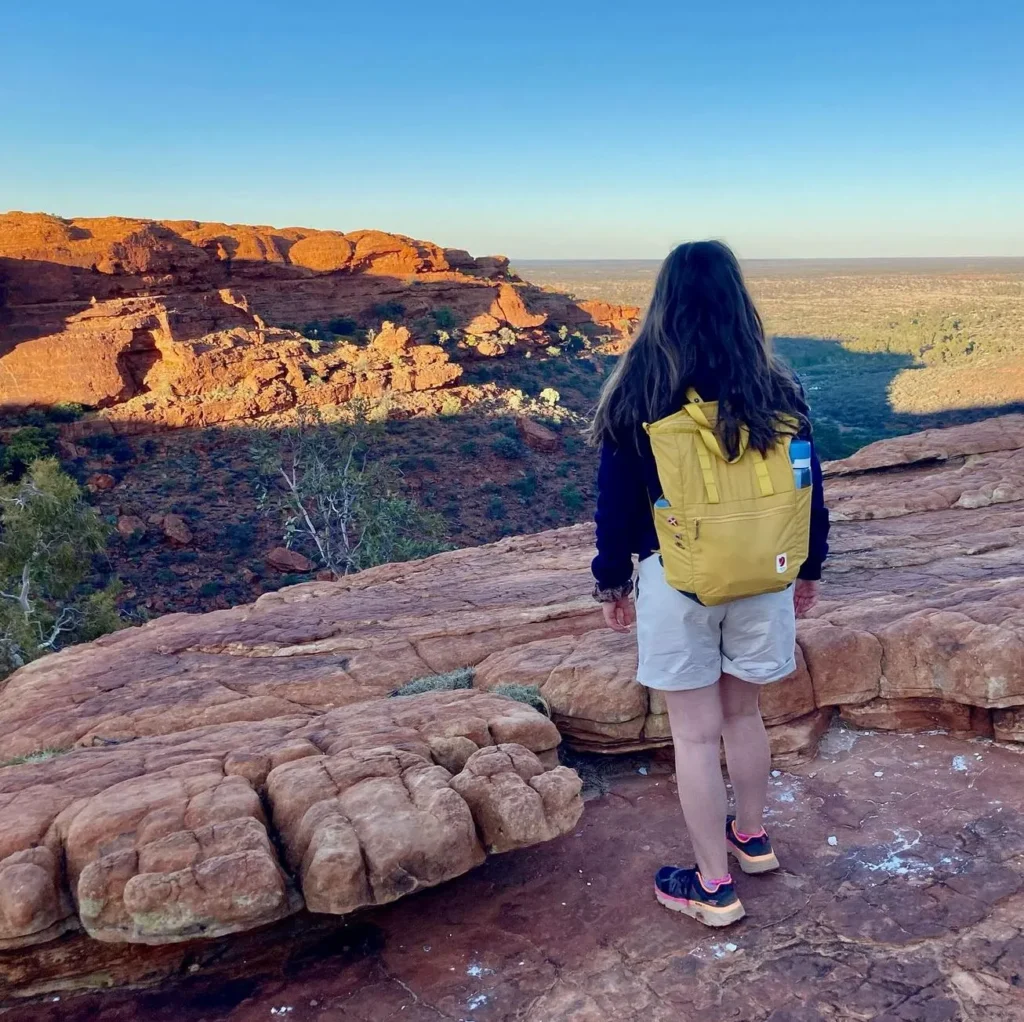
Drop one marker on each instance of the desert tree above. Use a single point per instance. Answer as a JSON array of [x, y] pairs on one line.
[[336, 494], [49, 536]]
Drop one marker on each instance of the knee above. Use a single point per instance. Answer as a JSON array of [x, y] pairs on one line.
[[704, 733], [737, 712], [740, 699]]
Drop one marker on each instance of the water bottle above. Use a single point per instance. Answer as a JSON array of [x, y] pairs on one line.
[[800, 458]]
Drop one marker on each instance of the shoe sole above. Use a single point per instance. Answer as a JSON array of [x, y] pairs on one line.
[[753, 864], [709, 915]]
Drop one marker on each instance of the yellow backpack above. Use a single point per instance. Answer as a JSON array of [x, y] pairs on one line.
[[727, 529]]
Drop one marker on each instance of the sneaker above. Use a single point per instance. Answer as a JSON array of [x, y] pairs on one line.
[[683, 890], [754, 855]]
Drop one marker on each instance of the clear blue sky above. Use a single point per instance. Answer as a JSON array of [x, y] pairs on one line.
[[555, 129]]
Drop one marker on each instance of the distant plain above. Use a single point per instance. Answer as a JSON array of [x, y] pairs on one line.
[[884, 346]]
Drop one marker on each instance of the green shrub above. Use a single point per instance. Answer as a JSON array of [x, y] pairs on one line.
[[117, 447], [496, 509], [48, 537], [65, 411], [571, 498], [344, 325], [529, 694], [461, 677], [445, 318], [469, 448], [451, 406], [209, 589], [526, 487], [389, 310], [240, 537], [22, 448], [510, 448]]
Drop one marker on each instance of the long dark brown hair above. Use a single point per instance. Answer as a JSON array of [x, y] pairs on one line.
[[701, 324]]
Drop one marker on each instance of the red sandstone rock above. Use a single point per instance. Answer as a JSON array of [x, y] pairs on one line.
[[198, 737], [176, 530], [130, 525], [284, 560], [166, 839], [99, 481], [914, 916], [539, 437], [919, 715]]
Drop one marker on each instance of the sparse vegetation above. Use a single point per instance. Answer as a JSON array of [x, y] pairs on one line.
[[508, 447], [390, 310], [39, 756], [529, 694], [445, 318], [462, 677], [337, 499], [48, 537]]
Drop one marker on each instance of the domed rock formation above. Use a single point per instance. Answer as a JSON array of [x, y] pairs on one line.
[[181, 323], [175, 837]]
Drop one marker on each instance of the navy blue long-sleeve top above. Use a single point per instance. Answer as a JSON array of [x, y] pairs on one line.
[[627, 486]]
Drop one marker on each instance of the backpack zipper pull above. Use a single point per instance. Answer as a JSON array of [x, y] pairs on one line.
[[696, 530]]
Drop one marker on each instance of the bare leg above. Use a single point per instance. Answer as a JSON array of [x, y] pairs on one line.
[[696, 720], [746, 751]]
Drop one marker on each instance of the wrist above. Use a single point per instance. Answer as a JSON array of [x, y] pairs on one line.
[[612, 594]]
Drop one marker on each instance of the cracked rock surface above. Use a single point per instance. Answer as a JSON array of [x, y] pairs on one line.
[[921, 623], [913, 913], [221, 829]]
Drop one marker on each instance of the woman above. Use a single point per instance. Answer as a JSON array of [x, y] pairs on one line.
[[703, 332]]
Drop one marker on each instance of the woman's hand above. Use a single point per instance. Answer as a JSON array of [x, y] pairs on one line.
[[805, 596], [619, 615]]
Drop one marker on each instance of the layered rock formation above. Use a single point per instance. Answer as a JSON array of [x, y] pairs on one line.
[[921, 620], [179, 323], [176, 837]]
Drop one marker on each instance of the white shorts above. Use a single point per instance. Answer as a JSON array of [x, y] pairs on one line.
[[685, 645]]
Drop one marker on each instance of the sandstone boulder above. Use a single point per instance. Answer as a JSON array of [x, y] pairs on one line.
[[536, 436], [176, 530], [287, 561], [100, 481], [172, 838], [130, 525]]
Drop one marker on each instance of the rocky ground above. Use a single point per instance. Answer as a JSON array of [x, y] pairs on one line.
[[901, 899], [215, 774]]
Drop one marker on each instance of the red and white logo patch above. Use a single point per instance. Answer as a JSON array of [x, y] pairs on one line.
[[781, 563]]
